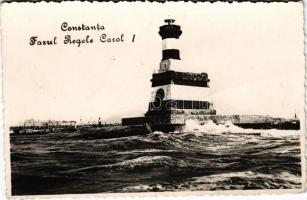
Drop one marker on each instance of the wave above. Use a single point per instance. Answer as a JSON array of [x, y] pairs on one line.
[[145, 151], [201, 157], [242, 180], [193, 126], [140, 162], [225, 181]]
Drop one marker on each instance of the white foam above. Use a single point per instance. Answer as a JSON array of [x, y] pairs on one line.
[[215, 180], [144, 160], [140, 161], [143, 187], [211, 128], [145, 151]]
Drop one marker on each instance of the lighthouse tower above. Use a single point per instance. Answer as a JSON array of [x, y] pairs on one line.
[[175, 93], [170, 34]]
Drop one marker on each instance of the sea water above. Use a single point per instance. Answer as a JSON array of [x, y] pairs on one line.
[[201, 157]]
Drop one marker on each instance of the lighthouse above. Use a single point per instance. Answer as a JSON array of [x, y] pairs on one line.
[[179, 95], [176, 94]]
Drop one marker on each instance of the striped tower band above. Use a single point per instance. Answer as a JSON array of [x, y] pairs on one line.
[[170, 43], [170, 49], [181, 92], [170, 33]]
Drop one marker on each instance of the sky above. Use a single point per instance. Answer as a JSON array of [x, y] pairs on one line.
[[253, 54]]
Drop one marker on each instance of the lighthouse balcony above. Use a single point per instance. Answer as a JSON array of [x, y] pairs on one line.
[[184, 112], [170, 31], [180, 78]]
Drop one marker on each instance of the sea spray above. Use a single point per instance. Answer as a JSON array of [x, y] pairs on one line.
[[193, 126], [212, 128]]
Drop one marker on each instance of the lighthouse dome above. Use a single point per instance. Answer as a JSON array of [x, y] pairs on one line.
[[170, 30]]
